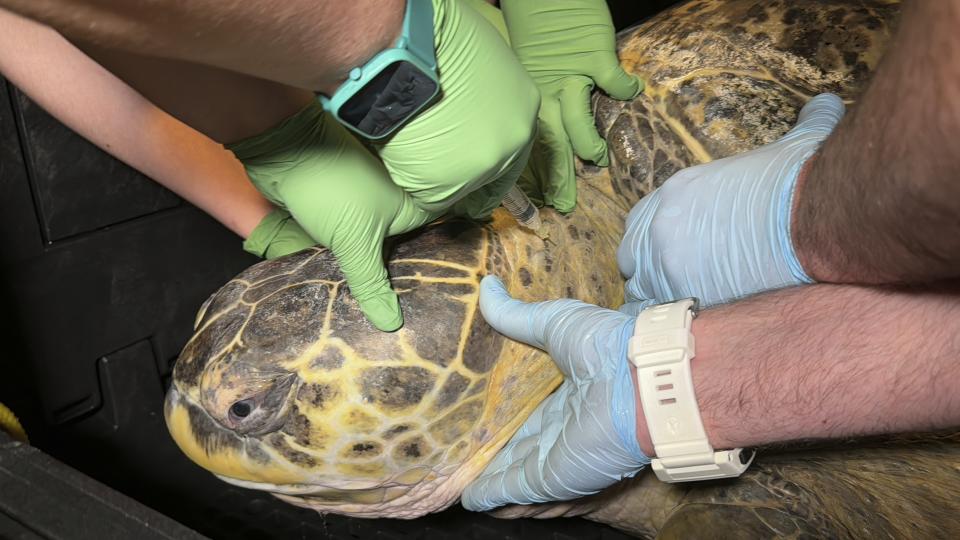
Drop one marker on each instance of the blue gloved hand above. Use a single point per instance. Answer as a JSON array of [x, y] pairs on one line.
[[721, 230], [583, 437]]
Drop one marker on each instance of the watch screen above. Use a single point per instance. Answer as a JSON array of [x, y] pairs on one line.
[[388, 100]]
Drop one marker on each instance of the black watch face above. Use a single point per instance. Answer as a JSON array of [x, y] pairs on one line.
[[388, 100]]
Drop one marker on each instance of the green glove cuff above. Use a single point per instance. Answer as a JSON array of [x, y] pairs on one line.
[[278, 234], [269, 227]]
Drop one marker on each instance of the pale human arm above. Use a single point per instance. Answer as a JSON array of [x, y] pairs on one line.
[[101, 108], [305, 43]]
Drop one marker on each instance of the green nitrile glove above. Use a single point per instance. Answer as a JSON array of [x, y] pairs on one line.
[[276, 235], [481, 128], [342, 197], [492, 14], [567, 47]]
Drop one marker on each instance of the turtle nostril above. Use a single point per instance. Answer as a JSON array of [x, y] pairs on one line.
[[241, 409]]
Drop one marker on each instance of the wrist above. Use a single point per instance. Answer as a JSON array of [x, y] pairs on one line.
[[704, 336]]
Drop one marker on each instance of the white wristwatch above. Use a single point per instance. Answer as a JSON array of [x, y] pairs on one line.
[[661, 348]]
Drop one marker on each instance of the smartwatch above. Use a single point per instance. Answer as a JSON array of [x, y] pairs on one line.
[[661, 349], [395, 85]]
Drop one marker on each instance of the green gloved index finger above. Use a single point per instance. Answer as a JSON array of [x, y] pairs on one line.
[[578, 120], [353, 226], [554, 158], [351, 219], [355, 234], [361, 261], [617, 83]]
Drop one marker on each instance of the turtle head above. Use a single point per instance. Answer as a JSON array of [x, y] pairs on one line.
[[285, 387]]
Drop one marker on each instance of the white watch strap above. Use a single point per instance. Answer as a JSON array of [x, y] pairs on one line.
[[661, 348]]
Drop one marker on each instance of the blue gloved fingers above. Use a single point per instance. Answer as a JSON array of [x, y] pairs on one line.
[[820, 115], [579, 450], [560, 185], [533, 466], [578, 120], [617, 83]]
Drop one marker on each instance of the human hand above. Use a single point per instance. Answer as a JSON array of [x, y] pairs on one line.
[[721, 230], [276, 235], [340, 195], [567, 47], [467, 150], [583, 437]]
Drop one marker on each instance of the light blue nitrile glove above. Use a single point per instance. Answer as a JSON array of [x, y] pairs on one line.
[[583, 437], [721, 230]]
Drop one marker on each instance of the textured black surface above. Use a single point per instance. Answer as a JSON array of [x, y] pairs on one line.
[[626, 13], [78, 189], [43, 498], [101, 274]]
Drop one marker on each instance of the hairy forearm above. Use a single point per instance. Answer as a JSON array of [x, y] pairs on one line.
[[305, 43], [880, 203], [827, 362], [107, 112]]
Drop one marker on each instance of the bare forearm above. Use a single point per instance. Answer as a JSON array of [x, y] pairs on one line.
[[826, 362], [881, 201], [104, 110], [305, 43]]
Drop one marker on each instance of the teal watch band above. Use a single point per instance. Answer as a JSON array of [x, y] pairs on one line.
[[395, 85]]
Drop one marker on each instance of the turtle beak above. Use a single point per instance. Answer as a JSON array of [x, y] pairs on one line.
[[218, 449], [198, 435]]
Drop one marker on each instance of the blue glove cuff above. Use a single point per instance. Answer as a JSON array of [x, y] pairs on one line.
[[785, 235], [623, 407]]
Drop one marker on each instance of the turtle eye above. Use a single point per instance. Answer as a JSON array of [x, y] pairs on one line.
[[241, 409]]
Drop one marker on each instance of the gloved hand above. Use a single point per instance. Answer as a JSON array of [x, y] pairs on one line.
[[567, 47], [340, 195], [583, 437], [721, 230], [479, 134], [276, 235]]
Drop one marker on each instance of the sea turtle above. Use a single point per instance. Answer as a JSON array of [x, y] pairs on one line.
[[285, 387]]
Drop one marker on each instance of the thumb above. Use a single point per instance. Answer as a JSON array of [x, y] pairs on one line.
[[818, 117], [558, 327], [617, 83], [513, 318]]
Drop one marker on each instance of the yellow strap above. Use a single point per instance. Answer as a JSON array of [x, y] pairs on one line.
[[10, 424]]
